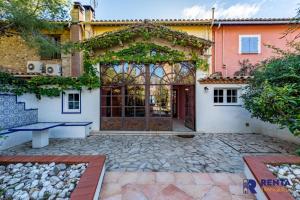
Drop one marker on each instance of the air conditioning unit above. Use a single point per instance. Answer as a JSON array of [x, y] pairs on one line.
[[53, 69], [35, 67]]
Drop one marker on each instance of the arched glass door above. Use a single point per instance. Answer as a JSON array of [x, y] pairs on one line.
[[139, 97]]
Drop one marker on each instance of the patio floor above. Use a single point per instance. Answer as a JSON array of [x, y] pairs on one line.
[[203, 153], [173, 186]]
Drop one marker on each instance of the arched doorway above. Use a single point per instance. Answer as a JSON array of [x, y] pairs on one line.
[[142, 97]]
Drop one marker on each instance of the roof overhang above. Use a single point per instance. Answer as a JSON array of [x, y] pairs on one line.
[[225, 80]]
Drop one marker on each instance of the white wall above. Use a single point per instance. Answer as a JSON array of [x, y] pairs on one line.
[[50, 109], [231, 119], [220, 119]]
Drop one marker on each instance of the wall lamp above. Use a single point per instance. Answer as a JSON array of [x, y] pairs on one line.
[[206, 89]]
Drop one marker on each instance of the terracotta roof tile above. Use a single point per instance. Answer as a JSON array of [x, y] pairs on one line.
[[225, 80], [199, 21]]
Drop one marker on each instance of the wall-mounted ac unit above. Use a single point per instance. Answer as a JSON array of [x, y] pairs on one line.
[[35, 67], [53, 69]]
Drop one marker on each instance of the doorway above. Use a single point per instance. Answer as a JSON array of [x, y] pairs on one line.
[[183, 104]]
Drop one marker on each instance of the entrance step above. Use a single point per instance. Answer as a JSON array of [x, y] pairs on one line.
[[141, 133]]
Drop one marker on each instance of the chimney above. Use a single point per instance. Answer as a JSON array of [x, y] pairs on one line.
[[213, 16], [76, 35], [89, 13], [77, 13]]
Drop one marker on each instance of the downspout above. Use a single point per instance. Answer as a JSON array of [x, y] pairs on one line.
[[223, 65], [213, 60]]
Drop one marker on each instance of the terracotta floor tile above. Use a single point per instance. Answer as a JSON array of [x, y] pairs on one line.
[[184, 179], [237, 178], [145, 178], [221, 178], [217, 193], [165, 177], [202, 179], [195, 191], [172, 192], [151, 191], [114, 197], [236, 189], [112, 177], [127, 178], [242, 197], [133, 192], [110, 189]]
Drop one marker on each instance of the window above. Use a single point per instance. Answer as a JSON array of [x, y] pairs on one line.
[[250, 44], [226, 96], [45, 55], [71, 102], [232, 96], [218, 96]]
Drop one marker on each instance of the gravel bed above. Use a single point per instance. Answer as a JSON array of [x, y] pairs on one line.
[[39, 181], [290, 172]]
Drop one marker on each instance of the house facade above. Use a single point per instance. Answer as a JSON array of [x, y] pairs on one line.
[[165, 96], [238, 40]]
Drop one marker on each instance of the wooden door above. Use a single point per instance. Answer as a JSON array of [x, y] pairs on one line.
[[189, 120]]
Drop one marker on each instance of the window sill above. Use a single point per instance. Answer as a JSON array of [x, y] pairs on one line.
[[235, 105], [250, 53]]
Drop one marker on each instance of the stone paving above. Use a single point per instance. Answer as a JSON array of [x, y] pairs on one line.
[[203, 153]]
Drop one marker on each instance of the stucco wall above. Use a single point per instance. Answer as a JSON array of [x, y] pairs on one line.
[[231, 119], [50, 109], [209, 117], [226, 48]]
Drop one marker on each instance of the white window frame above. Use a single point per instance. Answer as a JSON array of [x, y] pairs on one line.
[[247, 36], [225, 103], [65, 102]]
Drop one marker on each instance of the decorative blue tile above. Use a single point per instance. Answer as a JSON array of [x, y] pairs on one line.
[[14, 114]]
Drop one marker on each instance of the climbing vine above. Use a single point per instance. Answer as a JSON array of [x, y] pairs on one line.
[[47, 85], [146, 31], [148, 53]]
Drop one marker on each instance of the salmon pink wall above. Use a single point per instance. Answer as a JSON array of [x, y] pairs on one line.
[[226, 54]]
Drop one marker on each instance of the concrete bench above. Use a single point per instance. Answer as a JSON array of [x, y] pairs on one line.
[[71, 130], [40, 132], [12, 138]]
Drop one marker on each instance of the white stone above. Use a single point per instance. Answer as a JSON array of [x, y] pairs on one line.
[[20, 186], [296, 171], [61, 166], [46, 183], [35, 194], [59, 185], [34, 183], [282, 171], [18, 165], [54, 180], [42, 192], [13, 181], [74, 174]]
